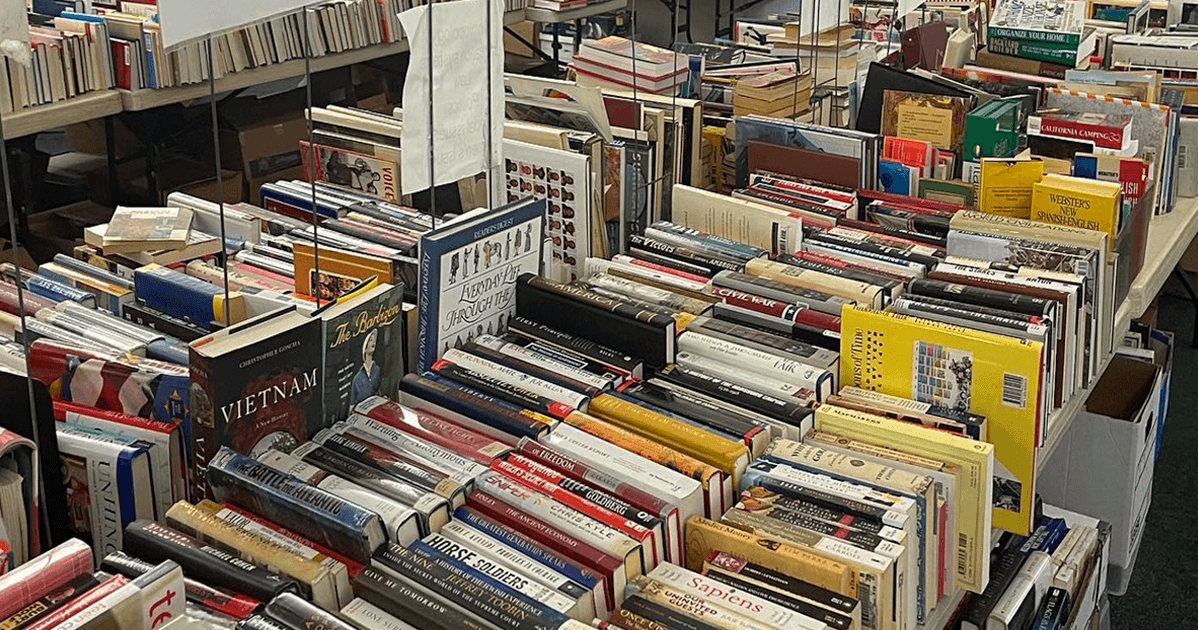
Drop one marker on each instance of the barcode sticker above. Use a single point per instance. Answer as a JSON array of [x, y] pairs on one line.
[[867, 594], [962, 555], [1014, 390], [1181, 156], [1082, 267]]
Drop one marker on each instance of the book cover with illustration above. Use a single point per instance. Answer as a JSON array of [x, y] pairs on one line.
[[254, 386], [468, 272], [957, 368], [365, 349], [357, 171]]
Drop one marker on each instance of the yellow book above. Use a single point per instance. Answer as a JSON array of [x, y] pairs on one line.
[[727, 455], [1085, 203], [1005, 187], [704, 536], [975, 479], [992, 375]]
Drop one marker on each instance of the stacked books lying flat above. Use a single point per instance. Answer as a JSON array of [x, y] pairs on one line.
[[777, 95], [617, 62]]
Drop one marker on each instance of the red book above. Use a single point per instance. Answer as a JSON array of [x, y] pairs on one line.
[[48, 572], [915, 153], [79, 604], [840, 263], [1104, 130], [662, 268], [435, 429], [122, 56], [10, 304]]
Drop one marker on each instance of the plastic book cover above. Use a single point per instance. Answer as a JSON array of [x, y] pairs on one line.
[[364, 351], [966, 370], [468, 273]]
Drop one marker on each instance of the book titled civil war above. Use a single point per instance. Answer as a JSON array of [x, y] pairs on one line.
[[254, 385], [467, 271]]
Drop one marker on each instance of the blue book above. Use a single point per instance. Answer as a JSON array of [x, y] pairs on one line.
[[515, 540], [894, 177], [57, 291], [187, 298], [294, 504], [468, 272], [503, 415], [92, 270]]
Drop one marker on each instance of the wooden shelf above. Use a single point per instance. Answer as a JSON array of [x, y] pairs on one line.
[[547, 16], [1168, 237], [141, 100], [33, 120]]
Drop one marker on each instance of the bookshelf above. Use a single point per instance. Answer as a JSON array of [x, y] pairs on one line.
[[557, 17], [1168, 237], [32, 120]]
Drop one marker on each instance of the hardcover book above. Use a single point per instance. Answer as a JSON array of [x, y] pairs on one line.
[[1006, 186], [937, 120], [468, 272], [1077, 202], [255, 386], [365, 349], [1048, 21]]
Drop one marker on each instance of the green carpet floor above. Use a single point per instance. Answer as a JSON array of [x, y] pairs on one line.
[[1164, 583]]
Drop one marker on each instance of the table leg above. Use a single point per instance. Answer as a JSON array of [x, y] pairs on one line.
[[1184, 278]]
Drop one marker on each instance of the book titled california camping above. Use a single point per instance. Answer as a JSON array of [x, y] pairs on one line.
[[468, 272]]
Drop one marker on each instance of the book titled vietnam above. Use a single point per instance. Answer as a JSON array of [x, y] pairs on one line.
[[468, 272], [253, 386], [364, 349]]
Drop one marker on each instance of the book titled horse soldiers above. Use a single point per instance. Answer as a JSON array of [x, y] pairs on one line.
[[578, 311], [253, 383]]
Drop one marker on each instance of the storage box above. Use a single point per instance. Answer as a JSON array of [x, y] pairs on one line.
[[1104, 464], [261, 148]]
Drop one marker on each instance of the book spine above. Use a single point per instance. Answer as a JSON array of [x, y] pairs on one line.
[[562, 345], [819, 300], [294, 504], [1032, 35], [709, 414], [582, 296], [662, 616], [158, 543], [725, 454], [1036, 51], [478, 594], [832, 620], [870, 542], [581, 472], [502, 389], [492, 547], [760, 498], [1054, 611], [590, 493], [413, 476], [401, 442], [490, 410], [367, 615], [719, 328], [367, 478], [734, 248], [58, 618], [449, 485], [244, 518], [732, 598], [726, 563], [786, 480], [514, 377], [439, 431], [751, 359], [712, 264], [697, 606], [814, 335], [647, 448], [1106, 136], [792, 411], [221, 600], [298, 613], [593, 382], [400, 597], [50, 602], [665, 271], [468, 558]]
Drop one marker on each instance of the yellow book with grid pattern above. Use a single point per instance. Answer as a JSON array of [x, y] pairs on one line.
[[958, 368]]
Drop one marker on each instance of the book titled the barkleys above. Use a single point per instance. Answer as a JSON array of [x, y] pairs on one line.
[[332, 521]]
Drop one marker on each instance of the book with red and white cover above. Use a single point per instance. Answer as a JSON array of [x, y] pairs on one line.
[[1108, 131], [435, 429], [915, 153], [43, 574], [149, 602], [651, 550], [79, 604], [22, 452], [165, 440], [402, 442], [575, 469]]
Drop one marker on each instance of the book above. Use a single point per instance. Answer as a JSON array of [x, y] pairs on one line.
[[574, 350], [861, 292], [368, 615], [1018, 605], [935, 119], [187, 298], [151, 600], [109, 484], [720, 565], [141, 229], [705, 536], [314, 579], [746, 360], [364, 344], [577, 311], [42, 575], [740, 220], [255, 383], [1109, 131], [352, 529], [1005, 187], [730, 598], [156, 542], [50, 602], [1077, 202], [295, 611], [463, 295], [409, 598], [1039, 21], [803, 607], [435, 430]]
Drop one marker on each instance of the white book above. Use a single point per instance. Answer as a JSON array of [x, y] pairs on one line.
[[733, 599], [669, 485], [1031, 583], [516, 378], [621, 268], [741, 220], [458, 466], [402, 521], [117, 474], [508, 576], [519, 352], [367, 615], [739, 357], [697, 606]]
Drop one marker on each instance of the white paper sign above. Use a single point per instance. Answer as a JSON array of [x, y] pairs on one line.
[[460, 96], [189, 20], [14, 31]]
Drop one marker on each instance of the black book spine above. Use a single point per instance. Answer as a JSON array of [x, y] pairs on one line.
[[1054, 611], [531, 369], [788, 489], [788, 411], [157, 543], [981, 296], [777, 342], [711, 265], [833, 620], [818, 337], [298, 613], [774, 290], [725, 563], [235, 605], [500, 389], [985, 310], [401, 599], [530, 332], [487, 600], [801, 506], [657, 613], [1003, 568], [163, 323], [328, 457], [724, 420], [910, 235], [472, 403], [260, 622], [857, 538], [582, 296], [917, 307], [874, 248], [360, 453], [673, 263]]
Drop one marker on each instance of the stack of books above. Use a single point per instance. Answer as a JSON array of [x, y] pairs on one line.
[[617, 62], [1049, 31], [777, 95]]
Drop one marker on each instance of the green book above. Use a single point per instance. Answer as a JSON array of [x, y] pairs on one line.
[[1049, 52], [1045, 21]]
